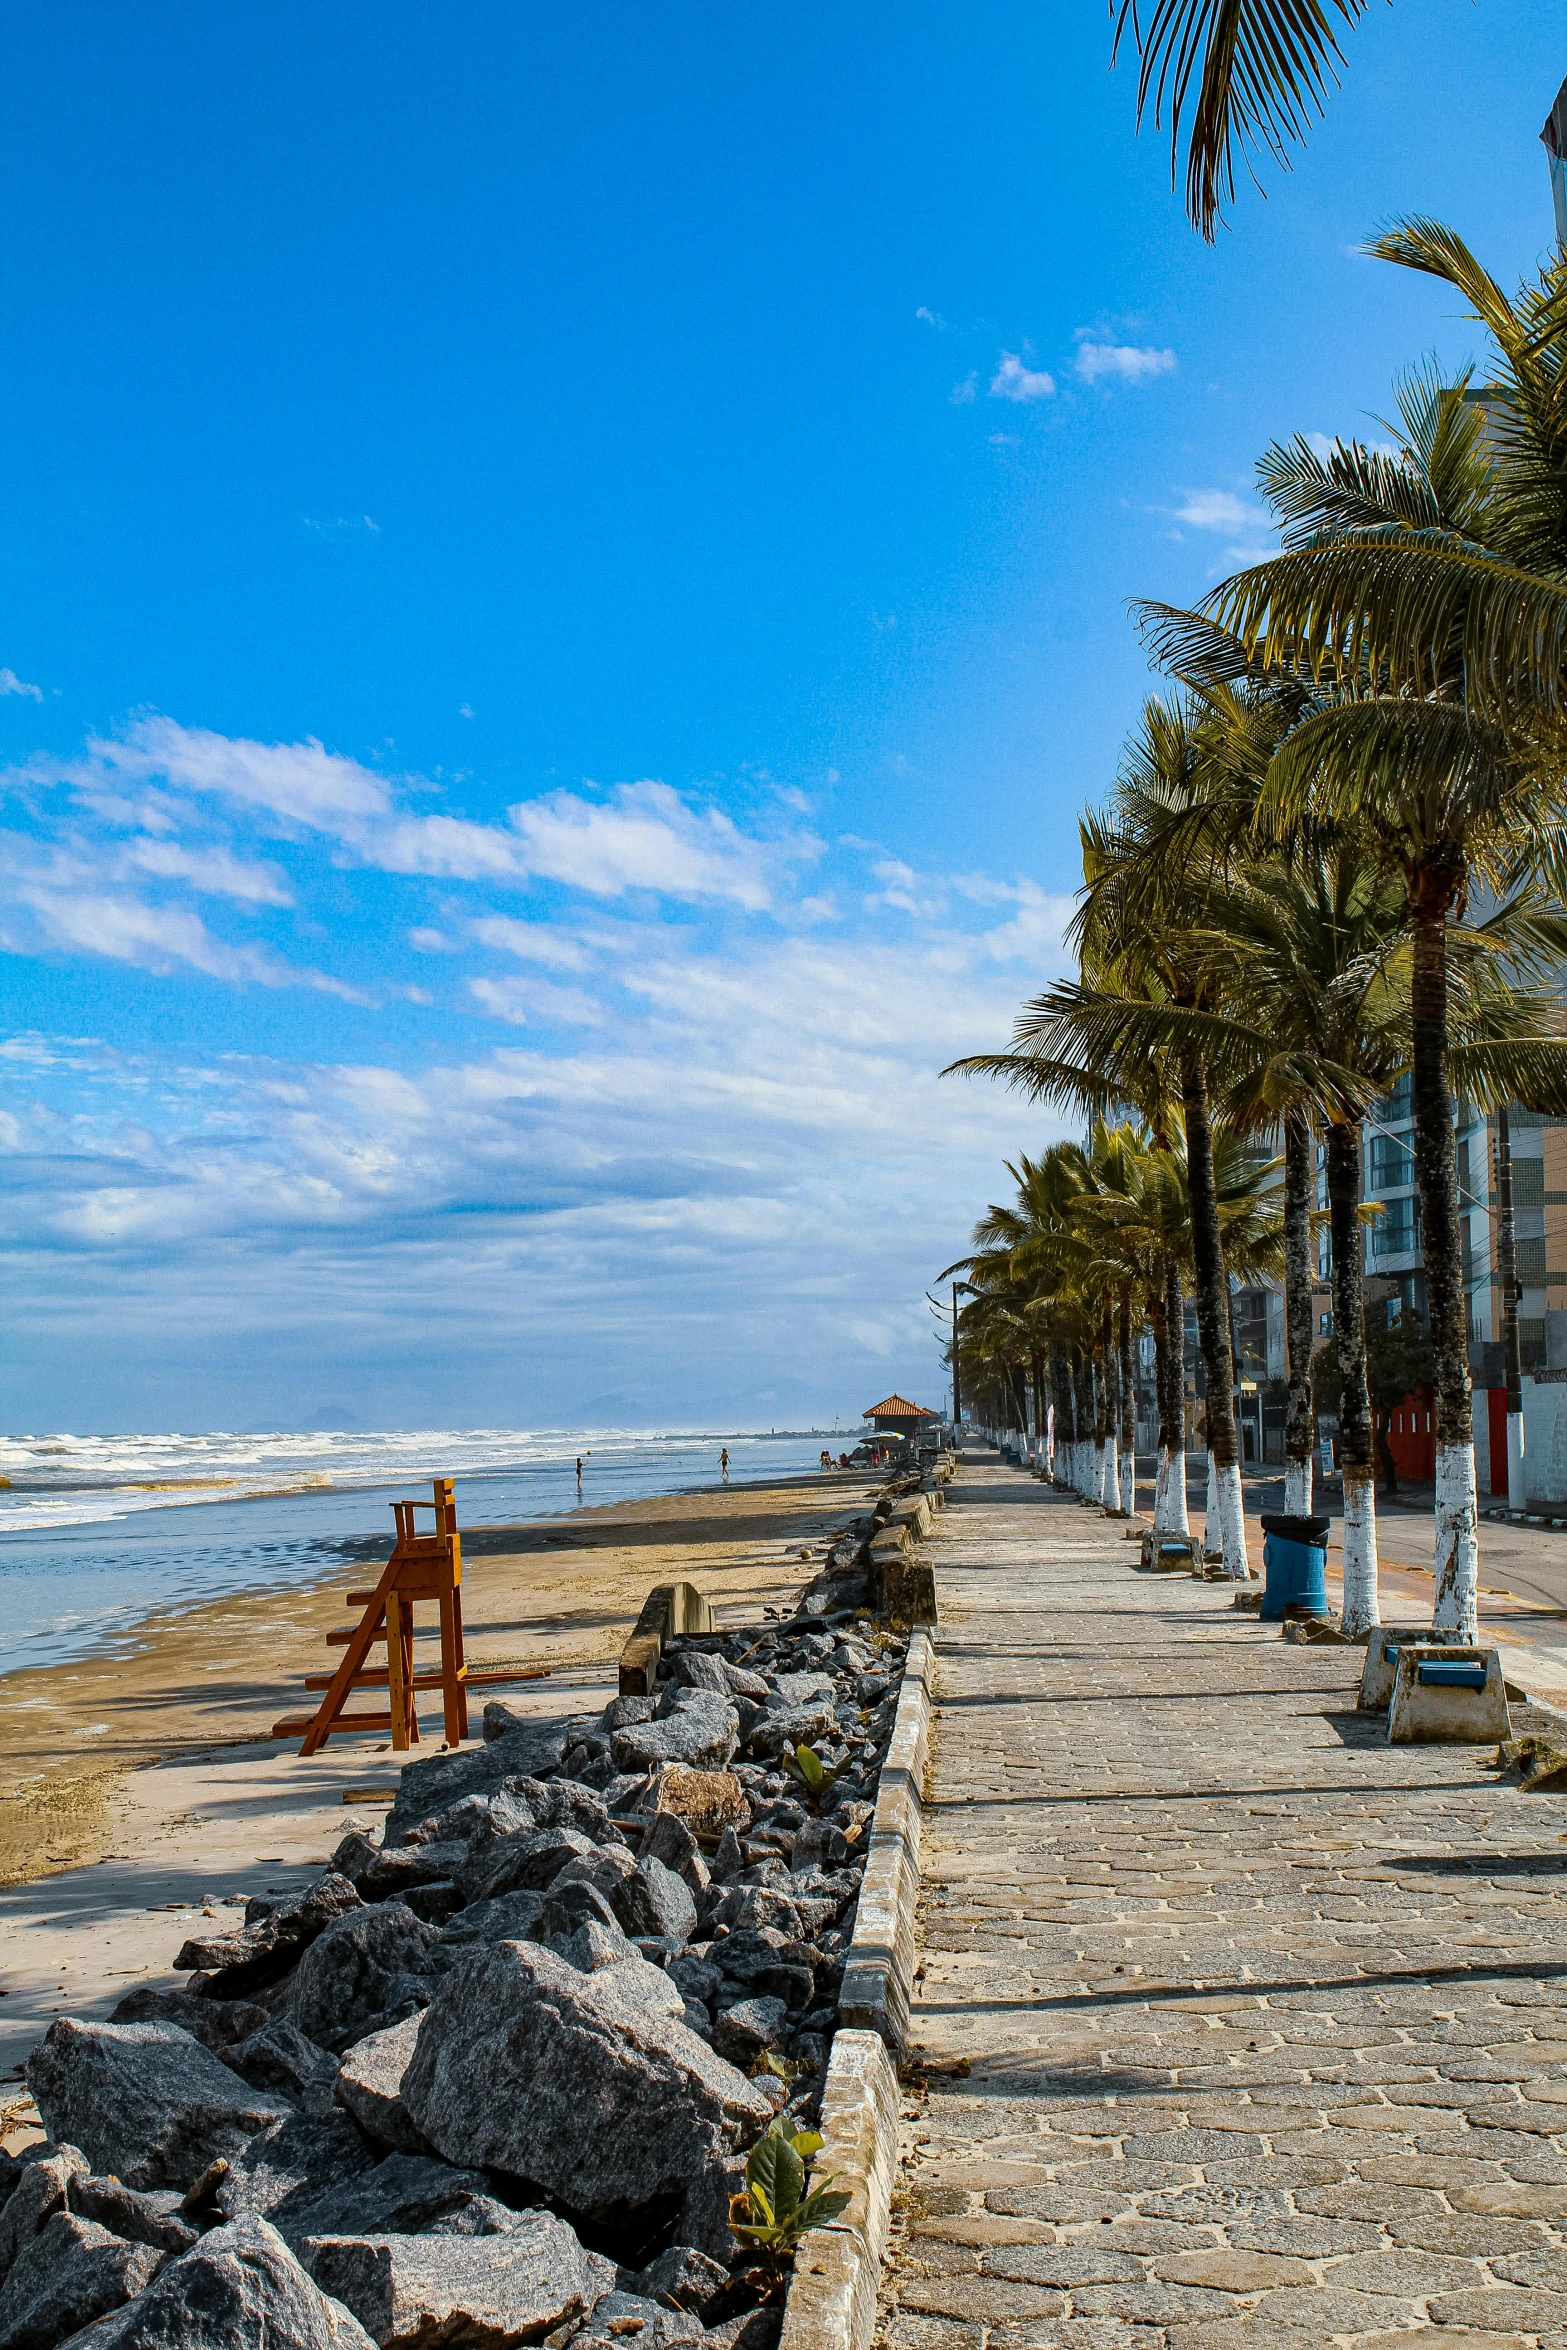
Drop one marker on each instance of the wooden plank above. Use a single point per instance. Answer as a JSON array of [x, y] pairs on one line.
[[353, 1659], [397, 1670], [293, 1724]]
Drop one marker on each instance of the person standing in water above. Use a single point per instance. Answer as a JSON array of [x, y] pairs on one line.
[[723, 1463], [579, 1476]]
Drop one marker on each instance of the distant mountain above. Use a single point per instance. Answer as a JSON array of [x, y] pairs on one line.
[[333, 1419]]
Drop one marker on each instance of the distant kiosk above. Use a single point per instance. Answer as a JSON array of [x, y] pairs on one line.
[[896, 1416]]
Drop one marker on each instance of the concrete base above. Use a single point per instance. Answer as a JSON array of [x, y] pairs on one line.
[[1423, 1713], [668, 1609], [1376, 1676], [837, 2270]]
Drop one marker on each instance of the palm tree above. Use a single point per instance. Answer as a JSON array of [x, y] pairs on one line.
[[1429, 590], [1262, 69]]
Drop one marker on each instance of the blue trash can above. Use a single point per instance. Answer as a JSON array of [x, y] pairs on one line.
[[1295, 1556]]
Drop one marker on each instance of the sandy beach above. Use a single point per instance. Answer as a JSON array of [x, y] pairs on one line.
[[141, 1791]]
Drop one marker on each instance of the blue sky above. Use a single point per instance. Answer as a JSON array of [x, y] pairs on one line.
[[562, 583]]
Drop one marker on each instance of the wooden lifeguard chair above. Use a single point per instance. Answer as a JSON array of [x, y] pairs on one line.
[[423, 1569]]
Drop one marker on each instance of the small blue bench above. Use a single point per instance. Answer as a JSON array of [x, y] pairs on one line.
[[1440, 1676]]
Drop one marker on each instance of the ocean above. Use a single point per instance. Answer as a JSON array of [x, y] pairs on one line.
[[98, 1532]]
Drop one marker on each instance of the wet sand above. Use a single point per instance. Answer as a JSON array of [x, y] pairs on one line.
[[141, 1791]]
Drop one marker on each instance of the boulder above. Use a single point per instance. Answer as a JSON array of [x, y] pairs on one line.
[[670, 1840], [780, 1730], [758, 1905], [573, 1910], [437, 1783], [37, 2193], [654, 1900], [219, 2024], [145, 2101], [695, 1978], [749, 2028], [694, 1669], [388, 1876], [683, 2278], [72, 2272], [591, 2085], [296, 2159], [623, 1710], [348, 1975], [529, 1860], [708, 1801], [280, 2056], [274, 1935], [626, 2321], [761, 1960], [140, 2219], [703, 2218], [489, 2290], [369, 2082], [240, 2288], [406, 2195], [746, 1684], [701, 1729], [510, 1917]]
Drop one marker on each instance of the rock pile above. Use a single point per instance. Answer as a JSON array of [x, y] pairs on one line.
[[490, 2080]]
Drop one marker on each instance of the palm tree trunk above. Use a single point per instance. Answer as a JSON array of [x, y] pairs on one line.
[[1298, 1185], [1085, 1421], [1109, 1483], [1167, 1313], [1436, 1171], [1036, 1372], [1061, 1396], [1361, 1610], [1213, 1320], [1127, 1497]]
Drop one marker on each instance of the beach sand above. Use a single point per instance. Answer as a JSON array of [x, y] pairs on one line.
[[140, 1791]]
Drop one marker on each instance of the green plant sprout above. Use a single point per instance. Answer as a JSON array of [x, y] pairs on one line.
[[806, 1767], [778, 2211]]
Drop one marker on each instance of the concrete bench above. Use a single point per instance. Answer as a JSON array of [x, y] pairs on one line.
[[1447, 1697], [1168, 1554]]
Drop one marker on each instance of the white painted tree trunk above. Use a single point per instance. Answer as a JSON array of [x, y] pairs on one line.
[[1128, 1485], [1110, 1486], [1161, 1491], [1232, 1524], [1212, 1532], [1457, 1542], [1297, 1488], [1177, 1520], [1361, 1609]]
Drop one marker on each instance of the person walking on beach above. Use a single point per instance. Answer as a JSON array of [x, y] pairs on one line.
[[723, 1463]]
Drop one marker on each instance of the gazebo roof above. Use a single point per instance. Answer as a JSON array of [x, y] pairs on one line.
[[897, 1407]]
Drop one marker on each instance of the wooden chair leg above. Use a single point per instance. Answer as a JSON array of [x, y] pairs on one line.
[[451, 1687], [396, 1669]]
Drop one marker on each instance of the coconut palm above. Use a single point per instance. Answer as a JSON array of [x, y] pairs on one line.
[[1262, 68]]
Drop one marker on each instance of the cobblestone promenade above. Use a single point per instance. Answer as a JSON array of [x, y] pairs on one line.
[[1266, 2021]]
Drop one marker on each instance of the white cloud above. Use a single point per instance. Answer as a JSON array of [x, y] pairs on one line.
[[961, 394], [523, 1000], [1247, 526], [299, 783], [212, 872], [1013, 381], [931, 317], [10, 683], [533, 942], [1123, 361]]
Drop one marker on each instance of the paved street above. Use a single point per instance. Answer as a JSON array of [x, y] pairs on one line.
[[1238, 2026]]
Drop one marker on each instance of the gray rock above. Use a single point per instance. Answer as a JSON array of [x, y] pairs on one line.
[[511, 1917], [219, 2024], [685, 2279], [670, 1840], [406, 2195], [782, 1730], [621, 1712], [763, 1961], [754, 2329], [695, 1670], [275, 1931], [696, 1978], [387, 1876], [37, 2193], [576, 1908], [655, 1901], [729, 1860], [749, 2028], [280, 2056], [757, 1905], [240, 2288], [529, 1860], [369, 2082], [140, 2219], [743, 1683], [285, 2166], [437, 1783], [346, 1976], [701, 1729], [590, 2085], [416, 2291], [72, 2272], [628, 2321], [796, 1689], [703, 2219], [145, 2101], [591, 1947]]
